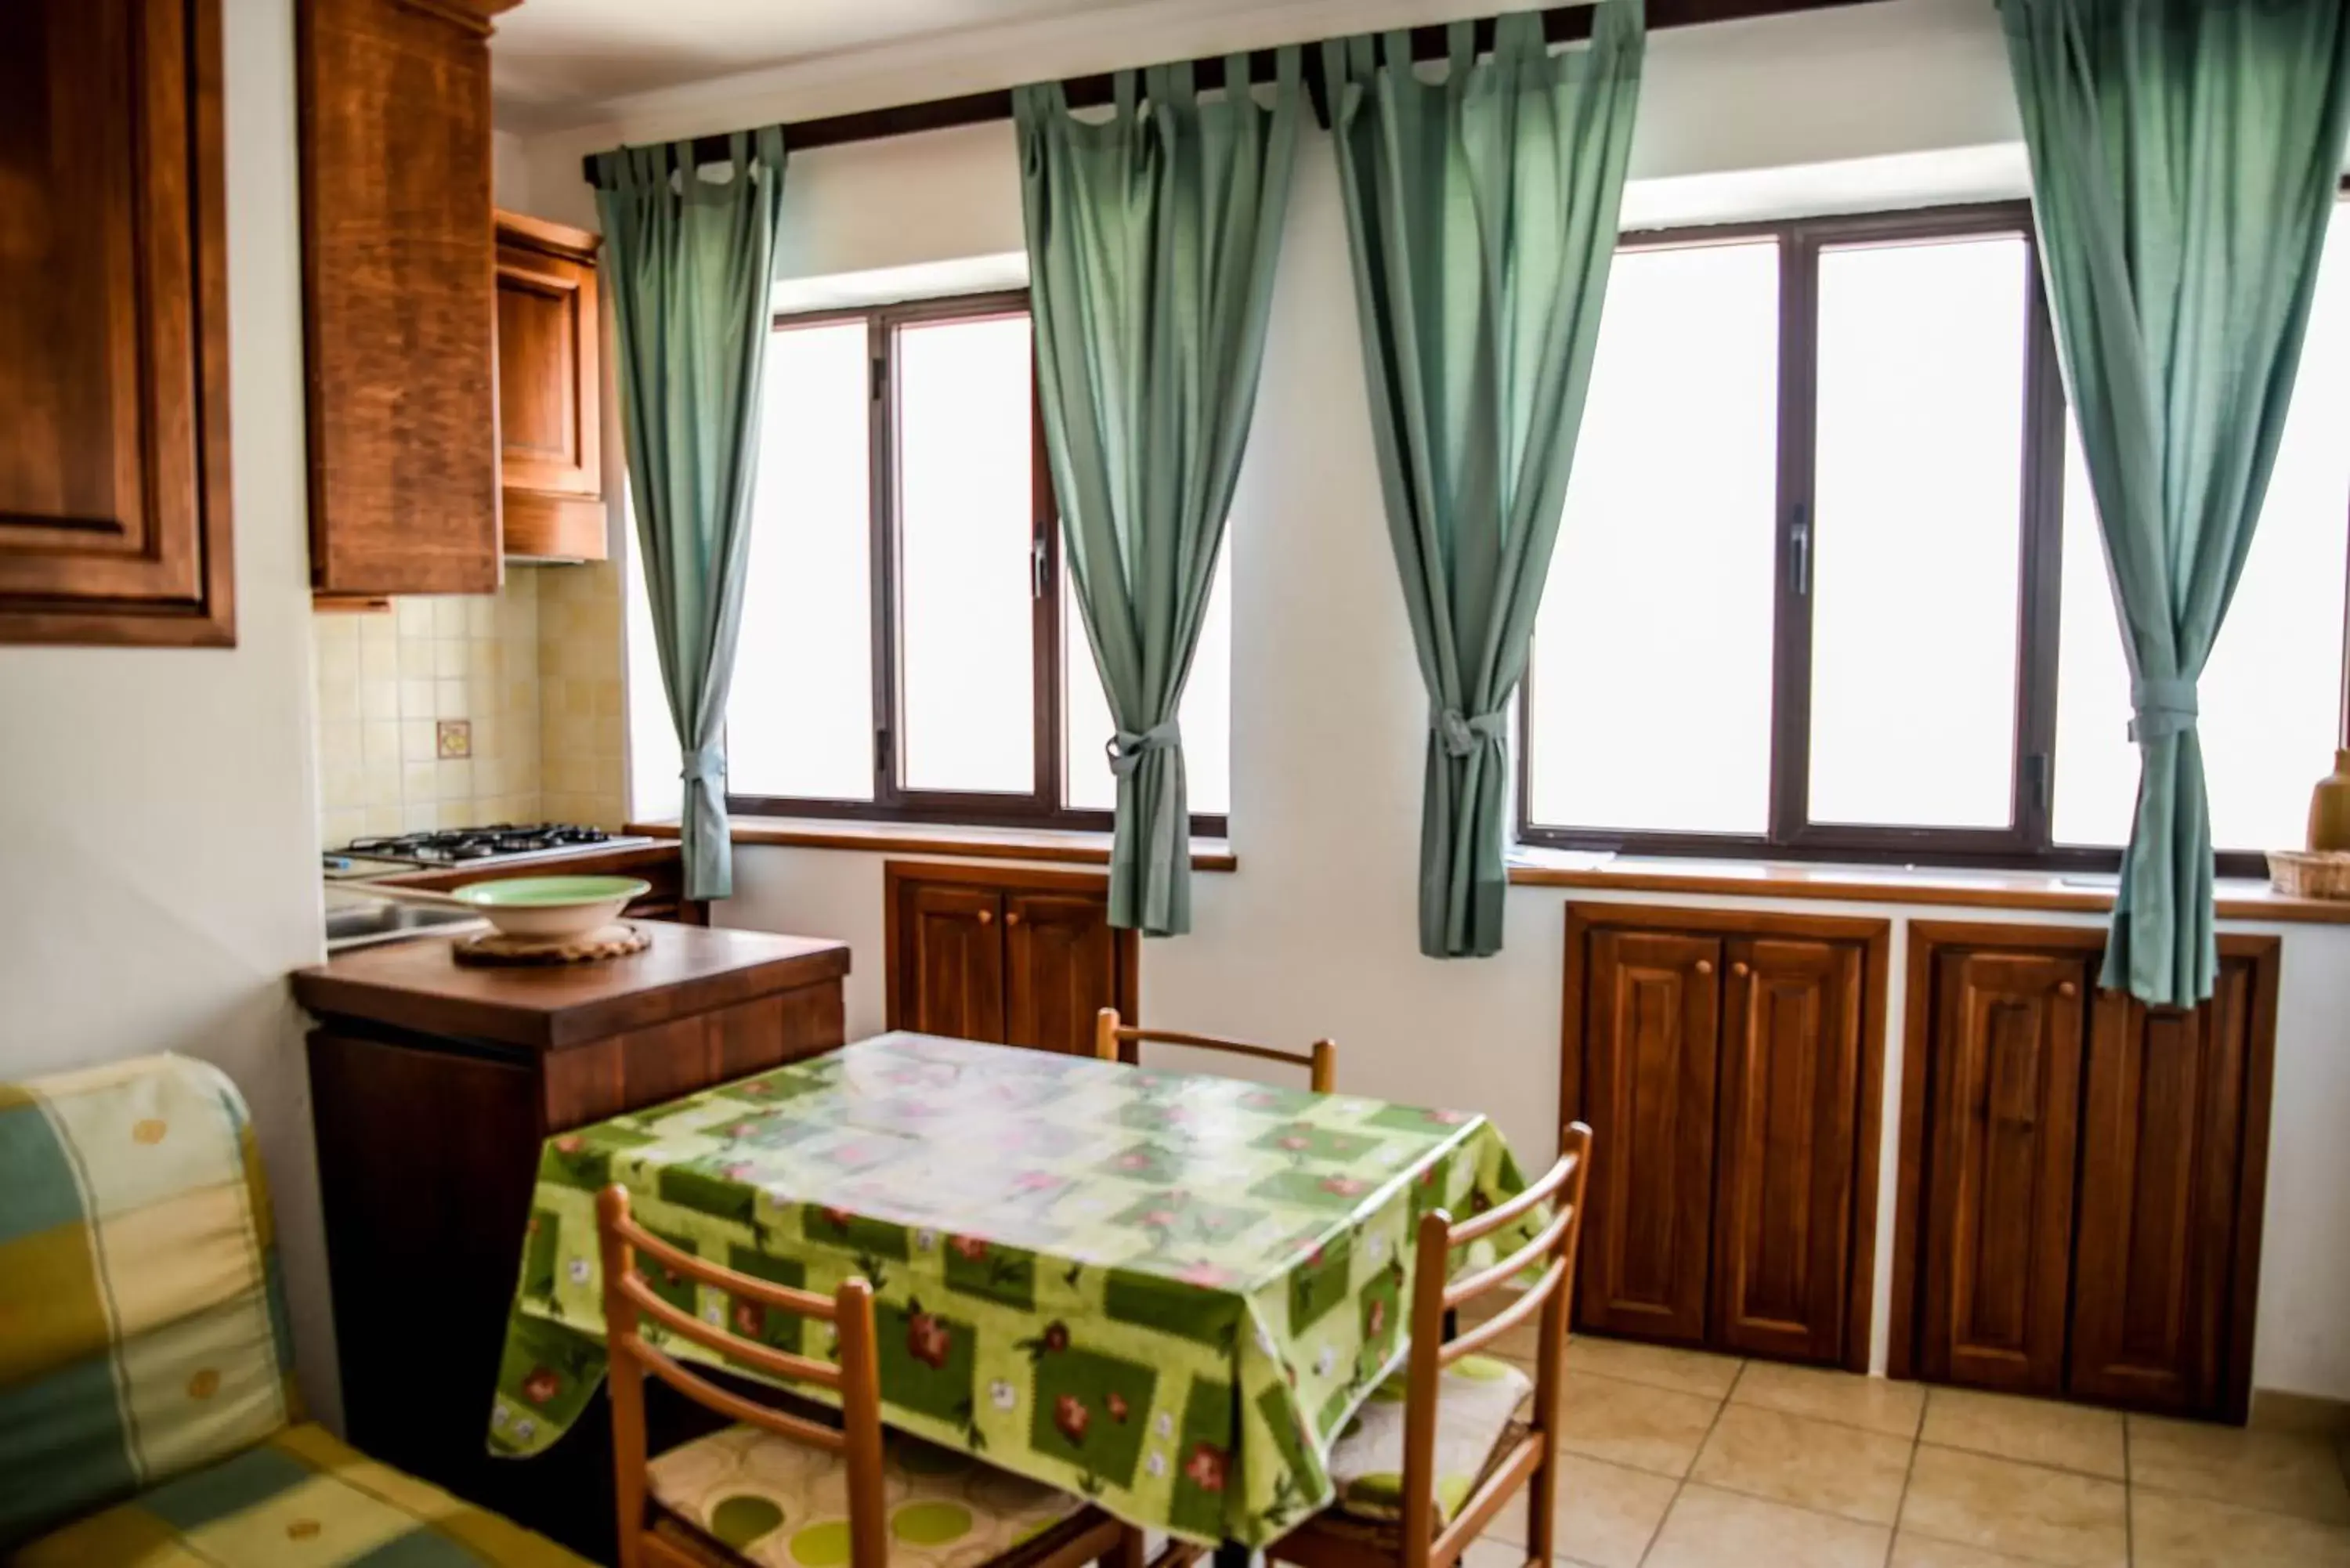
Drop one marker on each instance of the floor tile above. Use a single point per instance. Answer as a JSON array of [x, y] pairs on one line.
[[1710, 1529], [2050, 1516], [2252, 1466], [1607, 1514], [1912, 1549], [1658, 1365], [1653, 1429], [2167, 1531], [1825, 1393], [1812, 1464], [2033, 1431]]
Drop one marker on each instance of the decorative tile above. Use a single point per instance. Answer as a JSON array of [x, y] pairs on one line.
[[1653, 1429], [2167, 1531], [1873, 1404], [1817, 1465], [2283, 1472], [1658, 1365], [1710, 1529], [2055, 1516], [2034, 1431]]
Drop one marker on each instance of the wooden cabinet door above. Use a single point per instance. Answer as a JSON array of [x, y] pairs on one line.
[[2004, 1045], [114, 436], [2162, 1156], [1782, 1217], [399, 288], [1061, 968], [1649, 1048], [948, 965], [550, 435]]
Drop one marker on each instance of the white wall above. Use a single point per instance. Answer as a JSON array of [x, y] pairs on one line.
[[1315, 933], [156, 807]]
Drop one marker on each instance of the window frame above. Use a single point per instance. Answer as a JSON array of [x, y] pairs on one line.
[[1046, 806], [2027, 842]]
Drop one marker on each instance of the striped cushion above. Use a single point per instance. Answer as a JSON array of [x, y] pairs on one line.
[[1476, 1398], [300, 1501], [783, 1504], [142, 1321]]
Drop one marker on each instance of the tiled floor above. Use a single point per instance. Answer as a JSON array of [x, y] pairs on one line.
[[1679, 1459]]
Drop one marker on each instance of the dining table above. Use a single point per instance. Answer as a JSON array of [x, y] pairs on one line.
[[1168, 1292]]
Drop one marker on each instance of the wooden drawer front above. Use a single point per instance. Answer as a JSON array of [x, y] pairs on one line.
[[1649, 1073], [668, 1061], [1783, 1221]]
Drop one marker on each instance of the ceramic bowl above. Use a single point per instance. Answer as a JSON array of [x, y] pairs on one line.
[[552, 908]]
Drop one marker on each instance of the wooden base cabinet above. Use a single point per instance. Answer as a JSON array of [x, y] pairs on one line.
[[1728, 1064], [2081, 1176], [1008, 954]]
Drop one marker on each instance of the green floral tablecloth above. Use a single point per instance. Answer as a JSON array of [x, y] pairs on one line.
[[1167, 1291]]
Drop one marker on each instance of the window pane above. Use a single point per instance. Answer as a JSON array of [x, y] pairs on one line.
[[807, 602], [1206, 715], [2272, 694], [1917, 532], [966, 518], [1651, 674]]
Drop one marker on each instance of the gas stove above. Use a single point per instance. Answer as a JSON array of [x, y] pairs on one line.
[[468, 846]]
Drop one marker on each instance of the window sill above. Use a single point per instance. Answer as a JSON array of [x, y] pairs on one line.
[[1058, 846], [2239, 898]]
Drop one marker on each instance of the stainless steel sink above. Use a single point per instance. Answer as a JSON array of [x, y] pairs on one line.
[[359, 923]]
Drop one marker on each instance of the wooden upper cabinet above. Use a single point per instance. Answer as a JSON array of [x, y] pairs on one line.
[[1004, 953], [550, 390], [1649, 1064], [2165, 1220], [1790, 1103], [114, 449], [399, 291]]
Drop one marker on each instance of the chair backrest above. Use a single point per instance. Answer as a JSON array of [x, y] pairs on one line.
[[1116, 1040], [1434, 1293], [143, 1318], [856, 1378]]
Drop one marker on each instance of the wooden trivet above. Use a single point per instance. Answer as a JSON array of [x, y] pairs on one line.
[[494, 947]]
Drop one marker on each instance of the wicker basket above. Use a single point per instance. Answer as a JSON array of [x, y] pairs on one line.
[[2309, 873]]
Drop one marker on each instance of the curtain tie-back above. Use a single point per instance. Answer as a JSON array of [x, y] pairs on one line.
[[1460, 733], [1126, 748], [707, 765], [2161, 708]]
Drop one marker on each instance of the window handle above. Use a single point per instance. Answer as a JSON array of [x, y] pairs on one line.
[[1799, 552], [1037, 567]]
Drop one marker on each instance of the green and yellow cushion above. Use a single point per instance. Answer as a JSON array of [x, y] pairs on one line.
[[299, 1500], [142, 1322], [784, 1504], [1477, 1398]]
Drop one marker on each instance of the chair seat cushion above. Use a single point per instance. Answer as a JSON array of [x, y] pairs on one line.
[[784, 1504], [301, 1500], [1477, 1397]]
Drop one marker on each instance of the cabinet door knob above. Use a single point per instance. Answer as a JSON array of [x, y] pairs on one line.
[[1739, 968], [1012, 916], [2066, 988], [987, 917], [1704, 966]]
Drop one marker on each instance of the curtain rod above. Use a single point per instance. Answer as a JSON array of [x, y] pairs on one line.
[[1563, 24]]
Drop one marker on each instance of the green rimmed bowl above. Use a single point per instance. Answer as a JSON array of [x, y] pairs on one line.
[[551, 909]]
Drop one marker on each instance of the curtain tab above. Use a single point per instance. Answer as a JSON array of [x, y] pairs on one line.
[[707, 765], [2161, 708], [1460, 733], [1126, 748]]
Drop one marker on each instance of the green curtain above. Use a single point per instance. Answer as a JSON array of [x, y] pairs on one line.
[[688, 264], [2184, 157], [1151, 241], [1481, 210]]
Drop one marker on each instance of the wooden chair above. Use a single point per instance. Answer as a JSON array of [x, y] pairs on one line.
[[1525, 1453], [1117, 1042], [676, 1531]]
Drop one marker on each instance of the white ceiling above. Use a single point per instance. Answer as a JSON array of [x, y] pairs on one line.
[[554, 60]]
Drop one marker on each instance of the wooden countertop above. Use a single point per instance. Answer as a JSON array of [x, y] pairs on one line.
[[629, 857], [689, 970]]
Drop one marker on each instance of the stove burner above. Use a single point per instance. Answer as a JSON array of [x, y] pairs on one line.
[[455, 845]]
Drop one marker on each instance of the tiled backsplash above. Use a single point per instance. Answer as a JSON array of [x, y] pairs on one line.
[[533, 670]]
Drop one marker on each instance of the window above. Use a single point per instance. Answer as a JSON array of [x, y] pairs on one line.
[[909, 649], [1829, 580]]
